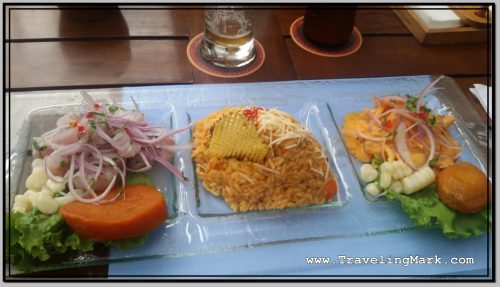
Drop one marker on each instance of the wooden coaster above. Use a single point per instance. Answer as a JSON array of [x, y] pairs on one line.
[[194, 56], [352, 45]]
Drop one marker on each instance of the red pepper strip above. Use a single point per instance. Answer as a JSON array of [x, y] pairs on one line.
[[81, 129]]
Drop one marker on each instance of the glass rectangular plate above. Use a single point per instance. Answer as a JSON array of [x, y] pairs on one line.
[[190, 233], [310, 115], [445, 101]]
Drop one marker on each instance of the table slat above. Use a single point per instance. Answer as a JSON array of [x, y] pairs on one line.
[[54, 24], [393, 56], [42, 65]]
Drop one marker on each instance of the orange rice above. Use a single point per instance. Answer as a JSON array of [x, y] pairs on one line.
[[294, 173]]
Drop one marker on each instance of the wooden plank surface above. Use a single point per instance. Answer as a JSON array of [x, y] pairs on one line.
[[41, 65], [368, 21], [278, 65], [56, 24], [394, 56]]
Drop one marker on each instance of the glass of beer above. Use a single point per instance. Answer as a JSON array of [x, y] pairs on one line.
[[228, 40]]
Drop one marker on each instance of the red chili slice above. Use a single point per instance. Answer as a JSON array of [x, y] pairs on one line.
[[81, 129]]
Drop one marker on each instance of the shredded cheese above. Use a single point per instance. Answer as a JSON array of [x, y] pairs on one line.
[[317, 171], [265, 168], [246, 177], [280, 127], [327, 171]]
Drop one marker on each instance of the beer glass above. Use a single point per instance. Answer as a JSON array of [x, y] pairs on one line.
[[228, 41], [329, 26]]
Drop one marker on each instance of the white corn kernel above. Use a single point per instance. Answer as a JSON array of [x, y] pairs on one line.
[[22, 203], [55, 186], [46, 204], [368, 173], [388, 167], [63, 200], [22, 200], [37, 162], [407, 171], [30, 194], [418, 180], [397, 186], [18, 209], [385, 180], [47, 191], [401, 170], [372, 189], [37, 179]]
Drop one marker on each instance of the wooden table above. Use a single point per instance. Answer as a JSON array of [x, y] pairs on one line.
[[146, 45]]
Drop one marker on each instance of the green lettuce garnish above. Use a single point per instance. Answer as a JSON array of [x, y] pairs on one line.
[[425, 209], [36, 237], [138, 178]]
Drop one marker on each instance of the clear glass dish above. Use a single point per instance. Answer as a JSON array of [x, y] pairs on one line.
[[200, 225], [446, 101], [310, 115]]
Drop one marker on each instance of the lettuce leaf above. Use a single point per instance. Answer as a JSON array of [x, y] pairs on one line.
[[36, 237], [138, 178], [127, 243], [425, 209]]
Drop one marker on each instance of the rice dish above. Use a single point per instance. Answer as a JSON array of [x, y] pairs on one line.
[[294, 171]]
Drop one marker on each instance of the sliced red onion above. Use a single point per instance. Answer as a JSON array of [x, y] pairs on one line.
[[165, 136], [412, 126], [103, 135], [146, 162], [99, 157], [394, 98], [135, 104], [120, 120], [402, 146], [69, 149], [168, 165], [51, 132], [403, 112], [375, 120], [443, 139], [89, 160], [367, 137], [87, 97], [135, 132], [82, 199], [432, 144], [81, 173], [122, 176], [426, 90]]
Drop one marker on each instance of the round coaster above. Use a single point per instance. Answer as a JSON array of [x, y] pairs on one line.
[[194, 56], [352, 45]]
